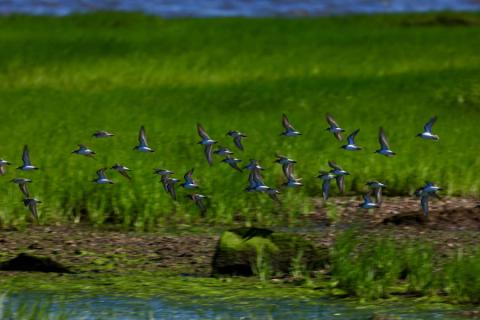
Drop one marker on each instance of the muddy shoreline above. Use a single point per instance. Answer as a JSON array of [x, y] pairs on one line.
[[454, 223]]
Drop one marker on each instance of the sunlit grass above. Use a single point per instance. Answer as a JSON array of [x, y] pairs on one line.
[[63, 78]]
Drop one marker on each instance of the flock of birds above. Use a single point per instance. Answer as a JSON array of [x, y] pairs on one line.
[[255, 178]]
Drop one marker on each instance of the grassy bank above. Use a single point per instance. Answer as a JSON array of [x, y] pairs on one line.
[[63, 78], [367, 265]]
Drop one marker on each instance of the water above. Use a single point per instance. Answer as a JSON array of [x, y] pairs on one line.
[[227, 8], [114, 307]]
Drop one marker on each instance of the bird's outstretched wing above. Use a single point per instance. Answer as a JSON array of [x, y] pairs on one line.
[[24, 189], [286, 124], [201, 132], [428, 126], [208, 153], [238, 142], [26, 156], [351, 137], [424, 204], [382, 139], [188, 176], [333, 165], [340, 183], [142, 139], [325, 189]]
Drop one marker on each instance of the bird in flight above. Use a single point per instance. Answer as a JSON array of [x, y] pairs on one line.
[[189, 182], [326, 177], [27, 164], [233, 162], [31, 203], [384, 148], [102, 178], [237, 138], [334, 128], [368, 203], [289, 129], [425, 192], [3, 165], [142, 142], [122, 170], [339, 175], [427, 130], [206, 142], [84, 151], [351, 146], [23, 185], [102, 134], [377, 188]]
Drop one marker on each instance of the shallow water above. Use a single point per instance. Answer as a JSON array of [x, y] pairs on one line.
[[122, 307], [225, 8]]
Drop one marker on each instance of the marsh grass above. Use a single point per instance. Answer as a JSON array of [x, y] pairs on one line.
[[378, 268], [462, 277], [61, 79]]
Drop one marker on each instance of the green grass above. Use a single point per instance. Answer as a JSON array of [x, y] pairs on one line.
[[63, 78], [379, 268]]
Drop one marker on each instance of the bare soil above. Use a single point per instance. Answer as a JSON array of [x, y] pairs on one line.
[[453, 223]]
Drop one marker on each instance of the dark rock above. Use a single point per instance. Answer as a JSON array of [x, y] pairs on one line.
[[239, 251], [26, 262], [35, 246], [408, 218]]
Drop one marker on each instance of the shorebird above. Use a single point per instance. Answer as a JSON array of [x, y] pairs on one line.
[[163, 172], [102, 134], [31, 203], [273, 194], [384, 148], [84, 151], [425, 192], [256, 184], [326, 177], [142, 142], [22, 184], [368, 203], [27, 164], [376, 187], [3, 164], [334, 128], [165, 175], [189, 182], [427, 130], [255, 181], [285, 162], [223, 151], [169, 186], [206, 142], [122, 170], [21, 180], [351, 146], [289, 129], [428, 188], [339, 175], [233, 162], [292, 182], [102, 178], [198, 199], [253, 164], [237, 138]]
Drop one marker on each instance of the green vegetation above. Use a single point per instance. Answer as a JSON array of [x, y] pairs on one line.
[[63, 78], [380, 268]]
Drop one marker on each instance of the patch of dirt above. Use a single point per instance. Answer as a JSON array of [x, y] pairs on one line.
[[82, 248], [449, 213], [453, 223]]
